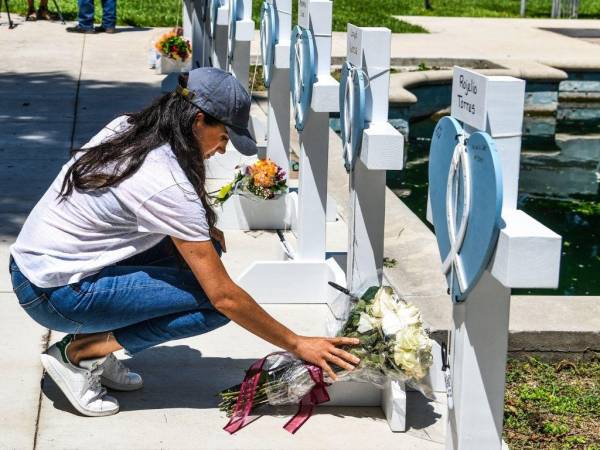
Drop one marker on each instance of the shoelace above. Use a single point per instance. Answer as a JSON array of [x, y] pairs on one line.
[[119, 366], [94, 385]]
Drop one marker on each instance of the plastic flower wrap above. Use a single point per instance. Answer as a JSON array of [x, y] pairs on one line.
[[394, 345], [173, 45], [393, 342], [263, 179]]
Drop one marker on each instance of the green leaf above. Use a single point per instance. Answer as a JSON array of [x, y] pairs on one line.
[[370, 293]]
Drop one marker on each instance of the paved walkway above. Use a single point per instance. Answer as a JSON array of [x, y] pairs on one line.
[[56, 91], [546, 41], [572, 44]]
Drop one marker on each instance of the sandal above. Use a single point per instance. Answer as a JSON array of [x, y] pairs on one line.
[[43, 14], [31, 15]]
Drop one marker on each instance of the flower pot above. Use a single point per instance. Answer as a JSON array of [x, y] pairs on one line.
[[245, 212], [166, 65]]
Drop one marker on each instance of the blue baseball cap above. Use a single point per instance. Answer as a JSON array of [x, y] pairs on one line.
[[221, 95]]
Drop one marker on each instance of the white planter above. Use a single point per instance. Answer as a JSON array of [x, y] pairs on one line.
[[166, 65], [242, 212]]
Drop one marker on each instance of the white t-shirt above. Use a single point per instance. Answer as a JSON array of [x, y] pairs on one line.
[[63, 242]]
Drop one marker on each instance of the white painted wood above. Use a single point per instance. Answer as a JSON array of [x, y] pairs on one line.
[[281, 58], [244, 33], [244, 30], [435, 377], [303, 13], [223, 14], [196, 33], [350, 393], [288, 281], [493, 104], [314, 140], [480, 342], [278, 123], [393, 403], [312, 186], [186, 22], [366, 227], [240, 65], [528, 253], [365, 51], [361, 39], [219, 45], [382, 147], [325, 95], [321, 14], [206, 42]]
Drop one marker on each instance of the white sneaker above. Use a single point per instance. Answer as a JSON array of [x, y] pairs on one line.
[[115, 375], [81, 385]]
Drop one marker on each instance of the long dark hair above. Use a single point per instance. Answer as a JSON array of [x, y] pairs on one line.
[[168, 120]]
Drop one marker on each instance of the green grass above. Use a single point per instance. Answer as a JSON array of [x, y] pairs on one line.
[[359, 12], [552, 405], [485, 8], [370, 13], [159, 13], [138, 13]]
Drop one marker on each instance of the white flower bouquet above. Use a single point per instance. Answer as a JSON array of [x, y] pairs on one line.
[[393, 342], [394, 345]]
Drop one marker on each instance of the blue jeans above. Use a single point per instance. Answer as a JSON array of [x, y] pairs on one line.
[[145, 300], [86, 13]]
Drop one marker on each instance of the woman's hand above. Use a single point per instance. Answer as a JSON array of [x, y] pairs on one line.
[[322, 351], [235, 303], [218, 235]]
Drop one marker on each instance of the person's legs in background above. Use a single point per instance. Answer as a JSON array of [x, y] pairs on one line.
[[85, 17], [42, 12], [109, 16], [30, 11]]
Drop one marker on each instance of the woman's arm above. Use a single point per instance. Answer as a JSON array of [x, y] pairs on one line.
[[232, 301]]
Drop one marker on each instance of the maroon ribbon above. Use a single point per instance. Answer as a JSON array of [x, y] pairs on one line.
[[318, 394], [240, 417]]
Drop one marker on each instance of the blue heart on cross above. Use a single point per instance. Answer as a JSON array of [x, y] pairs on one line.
[[268, 39], [465, 191], [302, 72]]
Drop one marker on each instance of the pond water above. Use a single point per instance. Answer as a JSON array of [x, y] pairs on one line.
[[559, 186]]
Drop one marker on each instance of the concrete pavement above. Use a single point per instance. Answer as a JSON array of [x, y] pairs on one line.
[[561, 43]]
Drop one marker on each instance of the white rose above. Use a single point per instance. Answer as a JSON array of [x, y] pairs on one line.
[[406, 360], [407, 339], [365, 323], [402, 316]]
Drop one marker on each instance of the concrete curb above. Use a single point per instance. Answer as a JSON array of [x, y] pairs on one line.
[[529, 71]]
